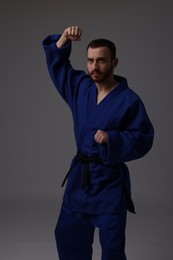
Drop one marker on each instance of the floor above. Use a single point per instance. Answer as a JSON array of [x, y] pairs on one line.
[[26, 232]]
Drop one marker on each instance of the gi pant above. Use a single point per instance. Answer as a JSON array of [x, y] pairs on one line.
[[74, 235]]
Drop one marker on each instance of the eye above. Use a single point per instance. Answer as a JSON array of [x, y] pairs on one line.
[[90, 61], [102, 60]]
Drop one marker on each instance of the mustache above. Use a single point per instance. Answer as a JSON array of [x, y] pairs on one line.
[[95, 72]]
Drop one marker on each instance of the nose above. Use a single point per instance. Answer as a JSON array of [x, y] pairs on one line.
[[95, 65]]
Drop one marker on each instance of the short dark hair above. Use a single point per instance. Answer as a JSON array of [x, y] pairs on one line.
[[103, 43]]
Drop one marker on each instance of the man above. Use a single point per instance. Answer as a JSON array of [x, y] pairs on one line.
[[111, 127]]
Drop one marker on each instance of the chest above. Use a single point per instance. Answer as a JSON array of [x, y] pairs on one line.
[[99, 111], [100, 97]]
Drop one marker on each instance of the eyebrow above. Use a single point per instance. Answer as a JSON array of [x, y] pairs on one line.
[[99, 58]]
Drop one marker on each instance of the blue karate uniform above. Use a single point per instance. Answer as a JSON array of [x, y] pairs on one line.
[[98, 181]]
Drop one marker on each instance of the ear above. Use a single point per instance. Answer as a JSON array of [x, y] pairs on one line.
[[115, 62]]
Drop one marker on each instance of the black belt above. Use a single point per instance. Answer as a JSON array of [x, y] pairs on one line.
[[85, 159]]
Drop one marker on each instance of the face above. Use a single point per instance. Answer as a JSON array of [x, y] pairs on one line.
[[100, 66]]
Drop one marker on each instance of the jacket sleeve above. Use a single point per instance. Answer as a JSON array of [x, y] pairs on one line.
[[133, 141], [64, 77]]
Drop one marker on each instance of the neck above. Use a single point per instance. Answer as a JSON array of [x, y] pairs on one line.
[[104, 89], [106, 86]]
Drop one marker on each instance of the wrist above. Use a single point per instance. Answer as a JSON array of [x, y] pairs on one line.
[[61, 41]]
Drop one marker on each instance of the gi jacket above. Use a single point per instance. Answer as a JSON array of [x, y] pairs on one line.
[[121, 114]]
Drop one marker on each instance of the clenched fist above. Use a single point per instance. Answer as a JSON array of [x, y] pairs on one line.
[[101, 137], [72, 33]]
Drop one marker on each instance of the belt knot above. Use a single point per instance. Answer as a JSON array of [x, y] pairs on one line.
[[85, 159]]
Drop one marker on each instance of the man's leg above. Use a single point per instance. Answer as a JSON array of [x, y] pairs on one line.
[[74, 237], [112, 234]]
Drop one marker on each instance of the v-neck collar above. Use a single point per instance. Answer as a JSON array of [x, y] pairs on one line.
[[98, 103], [106, 101], [122, 84]]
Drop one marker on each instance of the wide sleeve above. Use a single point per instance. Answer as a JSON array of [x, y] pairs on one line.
[[133, 141], [64, 77]]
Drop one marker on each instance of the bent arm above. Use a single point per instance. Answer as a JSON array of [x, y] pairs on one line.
[[64, 77], [131, 143]]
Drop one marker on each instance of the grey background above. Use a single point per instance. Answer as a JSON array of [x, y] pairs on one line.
[[36, 138]]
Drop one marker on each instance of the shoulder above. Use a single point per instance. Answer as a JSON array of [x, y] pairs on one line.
[[129, 97], [127, 91]]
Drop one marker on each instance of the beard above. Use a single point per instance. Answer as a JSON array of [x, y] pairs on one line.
[[99, 76]]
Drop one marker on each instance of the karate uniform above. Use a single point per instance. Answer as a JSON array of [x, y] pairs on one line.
[[98, 189]]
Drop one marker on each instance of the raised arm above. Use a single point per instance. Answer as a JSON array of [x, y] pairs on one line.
[[58, 49]]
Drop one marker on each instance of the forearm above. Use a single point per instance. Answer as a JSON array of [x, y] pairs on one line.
[[61, 41], [126, 146]]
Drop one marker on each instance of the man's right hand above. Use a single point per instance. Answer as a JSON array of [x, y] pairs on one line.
[[72, 33]]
